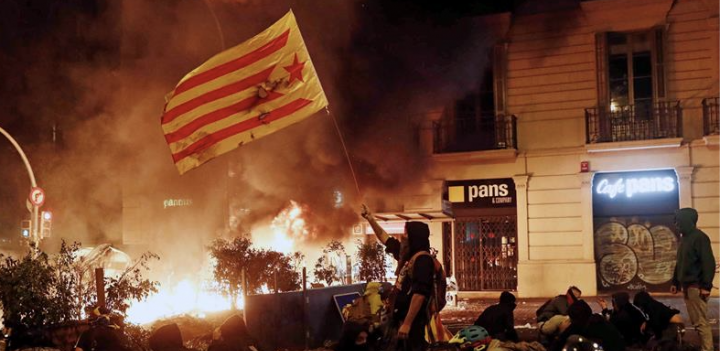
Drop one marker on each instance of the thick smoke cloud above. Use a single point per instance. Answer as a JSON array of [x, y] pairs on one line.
[[100, 78]]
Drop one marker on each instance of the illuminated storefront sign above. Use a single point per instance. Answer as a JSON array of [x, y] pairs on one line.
[[177, 203], [481, 193], [632, 186]]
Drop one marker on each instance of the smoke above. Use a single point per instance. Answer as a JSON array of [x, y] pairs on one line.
[[109, 170]]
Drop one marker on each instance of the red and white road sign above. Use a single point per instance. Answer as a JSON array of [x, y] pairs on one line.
[[37, 197]]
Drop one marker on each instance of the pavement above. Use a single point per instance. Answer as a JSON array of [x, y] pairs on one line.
[[455, 317]]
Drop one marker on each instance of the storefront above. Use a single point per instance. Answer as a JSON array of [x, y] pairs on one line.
[[480, 244], [635, 239]]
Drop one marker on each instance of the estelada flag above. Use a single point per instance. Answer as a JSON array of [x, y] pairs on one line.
[[254, 89]]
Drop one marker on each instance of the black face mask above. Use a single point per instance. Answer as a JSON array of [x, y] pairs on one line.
[[404, 249]]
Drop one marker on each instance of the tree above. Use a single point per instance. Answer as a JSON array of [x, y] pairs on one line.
[[325, 272], [37, 291], [278, 271], [230, 259], [262, 267], [327, 269], [372, 260]]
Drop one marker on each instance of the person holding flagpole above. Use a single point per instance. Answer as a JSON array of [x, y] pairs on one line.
[[414, 282]]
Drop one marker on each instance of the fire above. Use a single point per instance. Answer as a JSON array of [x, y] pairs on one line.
[[287, 228], [184, 297]]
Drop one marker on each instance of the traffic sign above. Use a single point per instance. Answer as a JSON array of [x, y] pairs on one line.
[[37, 196]]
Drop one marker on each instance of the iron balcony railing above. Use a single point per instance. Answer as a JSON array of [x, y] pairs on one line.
[[634, 122], [477, 133], [710, 116]]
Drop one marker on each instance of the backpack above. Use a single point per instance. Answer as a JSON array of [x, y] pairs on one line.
[[359, 311], [438, 297]]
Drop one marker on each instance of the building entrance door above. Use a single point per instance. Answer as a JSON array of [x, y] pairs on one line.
[[485, 253]]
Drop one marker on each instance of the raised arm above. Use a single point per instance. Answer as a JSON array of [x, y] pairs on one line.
[[380, 233]]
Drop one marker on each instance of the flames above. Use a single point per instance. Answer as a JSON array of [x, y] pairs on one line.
[[185, 297], [286, 230], [195, 298]]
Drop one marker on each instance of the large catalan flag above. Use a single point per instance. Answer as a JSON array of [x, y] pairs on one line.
[[242, 94]]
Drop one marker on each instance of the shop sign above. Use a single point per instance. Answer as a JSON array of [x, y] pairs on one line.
[[631, 186], [177, 203], [481, 193], [648, 193]]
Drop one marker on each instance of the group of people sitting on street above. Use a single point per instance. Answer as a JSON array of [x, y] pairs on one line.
[[643, 323]]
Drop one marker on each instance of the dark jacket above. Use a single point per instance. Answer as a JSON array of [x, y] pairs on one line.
[[167, 338], [658, 314], [420, 280], [499, 319], [349, 335], [102, 338], [557, 306], [605, 333], [579, 313], [234, 336], [627, 318], [592, 326], [695, 260]]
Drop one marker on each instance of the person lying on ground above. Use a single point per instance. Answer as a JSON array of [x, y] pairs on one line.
[[663, 321], [592, 326], [626, 317], [499, 319], [553, 313]]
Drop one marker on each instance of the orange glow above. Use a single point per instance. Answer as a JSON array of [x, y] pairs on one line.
[[184, 297], [286, 230]]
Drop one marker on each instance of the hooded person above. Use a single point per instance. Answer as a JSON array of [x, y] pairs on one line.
[[663, 321], [499, 319], [354, 337], [626, 317], [592, 326], [414, 283], [694, 272], [102, 336], [234, 336], [167, 338]]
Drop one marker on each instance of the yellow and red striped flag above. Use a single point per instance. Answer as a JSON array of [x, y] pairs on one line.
[[241, 94]]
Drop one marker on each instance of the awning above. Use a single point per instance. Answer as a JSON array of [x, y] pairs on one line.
[[421, 215]]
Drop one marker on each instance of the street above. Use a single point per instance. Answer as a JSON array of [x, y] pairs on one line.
[[465, 313]]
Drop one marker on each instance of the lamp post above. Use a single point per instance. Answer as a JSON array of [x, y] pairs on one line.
[[35, 213]]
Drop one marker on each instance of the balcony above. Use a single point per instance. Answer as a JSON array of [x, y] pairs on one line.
[[710, 116], [481, 133], [632, 123]]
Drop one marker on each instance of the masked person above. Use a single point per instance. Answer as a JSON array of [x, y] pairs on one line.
[[694, 272], [499, 319], [414, 281], [626, 317], [354, 337], [167, 338], [102, 336], [663, 321], [233, 336]]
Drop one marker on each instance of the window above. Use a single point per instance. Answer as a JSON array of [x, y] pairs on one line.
[[634, 72]]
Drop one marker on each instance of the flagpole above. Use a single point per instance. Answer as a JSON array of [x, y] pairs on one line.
[[347, 155], [217, 24]]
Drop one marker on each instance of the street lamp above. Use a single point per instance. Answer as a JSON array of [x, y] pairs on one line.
[[34, 210]]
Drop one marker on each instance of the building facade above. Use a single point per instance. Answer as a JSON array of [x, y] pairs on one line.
[[592, 125]]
